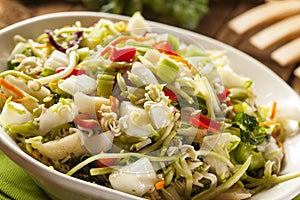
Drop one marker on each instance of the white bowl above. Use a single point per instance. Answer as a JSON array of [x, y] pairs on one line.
[[268, 86]]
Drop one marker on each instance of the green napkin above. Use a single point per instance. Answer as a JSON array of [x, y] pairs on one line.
[[297, 197], [16, 184]]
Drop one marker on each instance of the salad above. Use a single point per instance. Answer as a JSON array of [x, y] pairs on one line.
[[118, 101]]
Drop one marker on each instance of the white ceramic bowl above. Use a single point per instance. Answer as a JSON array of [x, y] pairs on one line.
[[268, 86]]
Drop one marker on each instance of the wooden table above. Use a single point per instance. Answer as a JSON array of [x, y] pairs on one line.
[[214, 24]]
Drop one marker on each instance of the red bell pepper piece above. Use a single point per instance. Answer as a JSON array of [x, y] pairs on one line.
[[164, 47], [222, 96], [169, 93], [123, 55], [105, 162], [85, 121], [75, 71], [202, 121]]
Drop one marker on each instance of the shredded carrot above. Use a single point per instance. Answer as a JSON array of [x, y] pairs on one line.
[[35, 155], [21, 99], [159, 185], [273, 111], [11, 87], [113, 103], [279, 144], [276, 136], [180, 59], [272, 116], [17, 100], [3, 96], [267, 123]]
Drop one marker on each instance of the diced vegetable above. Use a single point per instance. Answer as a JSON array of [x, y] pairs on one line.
[[123, 55], [75, 72], [61, 148], [89, 104], [26, 129], [134, 120], [160, 115], [105, 85], [105, 162], [103, 31], [141, 175], [152, 55], [159, 185], [167, 70], [222, 96], [14, 113], [85, 121], [58, 114], [164, 47], [172, 96], [244, 151], [141, 75], [56, 60], [174, 42], [81, 83], [62, 74], [250, 130], [202, 121], [137, 25], [231, 79], [97, 143]]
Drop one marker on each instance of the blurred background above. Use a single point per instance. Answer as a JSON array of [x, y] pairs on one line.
[[213, 18]]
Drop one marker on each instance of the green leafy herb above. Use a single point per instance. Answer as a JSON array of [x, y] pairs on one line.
[[250, 131], [11, 65]]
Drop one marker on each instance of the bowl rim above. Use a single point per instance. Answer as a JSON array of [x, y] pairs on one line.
[[19, 156]]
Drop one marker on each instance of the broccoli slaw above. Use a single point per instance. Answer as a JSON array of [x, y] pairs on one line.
[[116, 102]]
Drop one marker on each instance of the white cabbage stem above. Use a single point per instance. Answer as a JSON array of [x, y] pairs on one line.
[[134, 120], [62, 74], [89, 104], [141, 175], [34, 85], [56, 60], [137, 25], [58, 114], [14, 113], [96, 143], [59, 149], [81, 83]]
